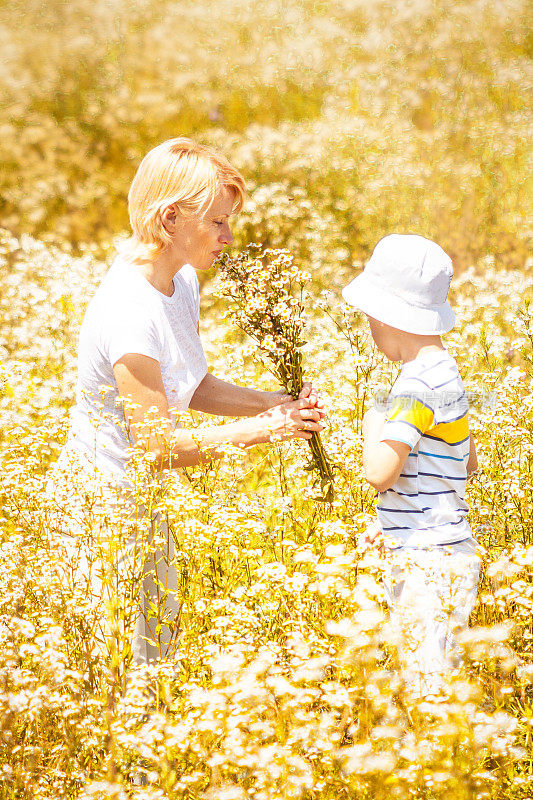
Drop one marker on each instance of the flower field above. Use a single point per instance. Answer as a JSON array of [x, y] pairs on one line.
[[349, 120]]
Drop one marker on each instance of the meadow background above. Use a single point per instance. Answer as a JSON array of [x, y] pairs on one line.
[[349, 120]]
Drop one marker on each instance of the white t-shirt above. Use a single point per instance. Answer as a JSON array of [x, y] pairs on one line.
[[128, 315], [428, 410]]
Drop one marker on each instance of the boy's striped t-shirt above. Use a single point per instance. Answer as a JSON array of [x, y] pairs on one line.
[[427, 409]]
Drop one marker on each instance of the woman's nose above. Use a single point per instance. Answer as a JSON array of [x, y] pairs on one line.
[[225, 236]]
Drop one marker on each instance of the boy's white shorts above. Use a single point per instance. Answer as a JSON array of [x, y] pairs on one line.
[[431, 593]]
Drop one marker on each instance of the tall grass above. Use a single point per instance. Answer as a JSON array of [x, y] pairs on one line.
[[372, 115], [285, 682], [349, 120]]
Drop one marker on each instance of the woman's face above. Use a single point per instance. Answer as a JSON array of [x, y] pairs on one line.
[[199, 240]]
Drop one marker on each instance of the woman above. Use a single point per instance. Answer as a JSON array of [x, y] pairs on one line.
[[140, 340]]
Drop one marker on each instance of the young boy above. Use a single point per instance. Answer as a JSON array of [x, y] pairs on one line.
[[418, 454]]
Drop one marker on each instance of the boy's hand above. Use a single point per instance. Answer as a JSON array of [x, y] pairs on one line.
[[374, 534], [371, 538], [472, 464]]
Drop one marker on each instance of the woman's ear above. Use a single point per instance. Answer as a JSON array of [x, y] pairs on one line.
[[168, 219]]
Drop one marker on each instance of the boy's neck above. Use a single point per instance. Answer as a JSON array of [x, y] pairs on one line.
[[398, 345], [412, 346]]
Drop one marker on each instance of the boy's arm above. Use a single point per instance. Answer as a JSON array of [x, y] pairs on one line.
[[382, 461], [472, 465]]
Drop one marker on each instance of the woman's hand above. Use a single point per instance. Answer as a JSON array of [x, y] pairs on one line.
[[277, 398], [290, 420], [308, 393]]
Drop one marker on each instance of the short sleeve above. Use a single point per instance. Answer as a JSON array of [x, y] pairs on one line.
[[409, 418], [131, 331]]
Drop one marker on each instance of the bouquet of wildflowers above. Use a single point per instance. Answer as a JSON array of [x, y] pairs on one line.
[[265, 290]]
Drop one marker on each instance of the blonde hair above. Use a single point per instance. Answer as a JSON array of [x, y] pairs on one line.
[[177, 173]]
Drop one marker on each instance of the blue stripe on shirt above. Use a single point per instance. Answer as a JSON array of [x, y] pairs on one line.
[[444, 477], [433, 388], [452, 380], [426, 527], [415, 494], [412, 397], [404, 510], [455, 419], [438, 439], [436, 455], [427, 369]]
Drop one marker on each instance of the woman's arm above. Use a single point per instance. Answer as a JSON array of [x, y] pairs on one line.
[[140, 385], [215, 396]]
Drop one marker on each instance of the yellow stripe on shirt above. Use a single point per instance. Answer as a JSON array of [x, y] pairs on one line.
[[451, 432], [412, 411]]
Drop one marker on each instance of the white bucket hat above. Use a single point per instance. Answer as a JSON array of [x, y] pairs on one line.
[[405, 284]]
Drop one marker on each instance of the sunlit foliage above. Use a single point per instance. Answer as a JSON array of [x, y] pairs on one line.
[[349, 119], [285, 681]]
